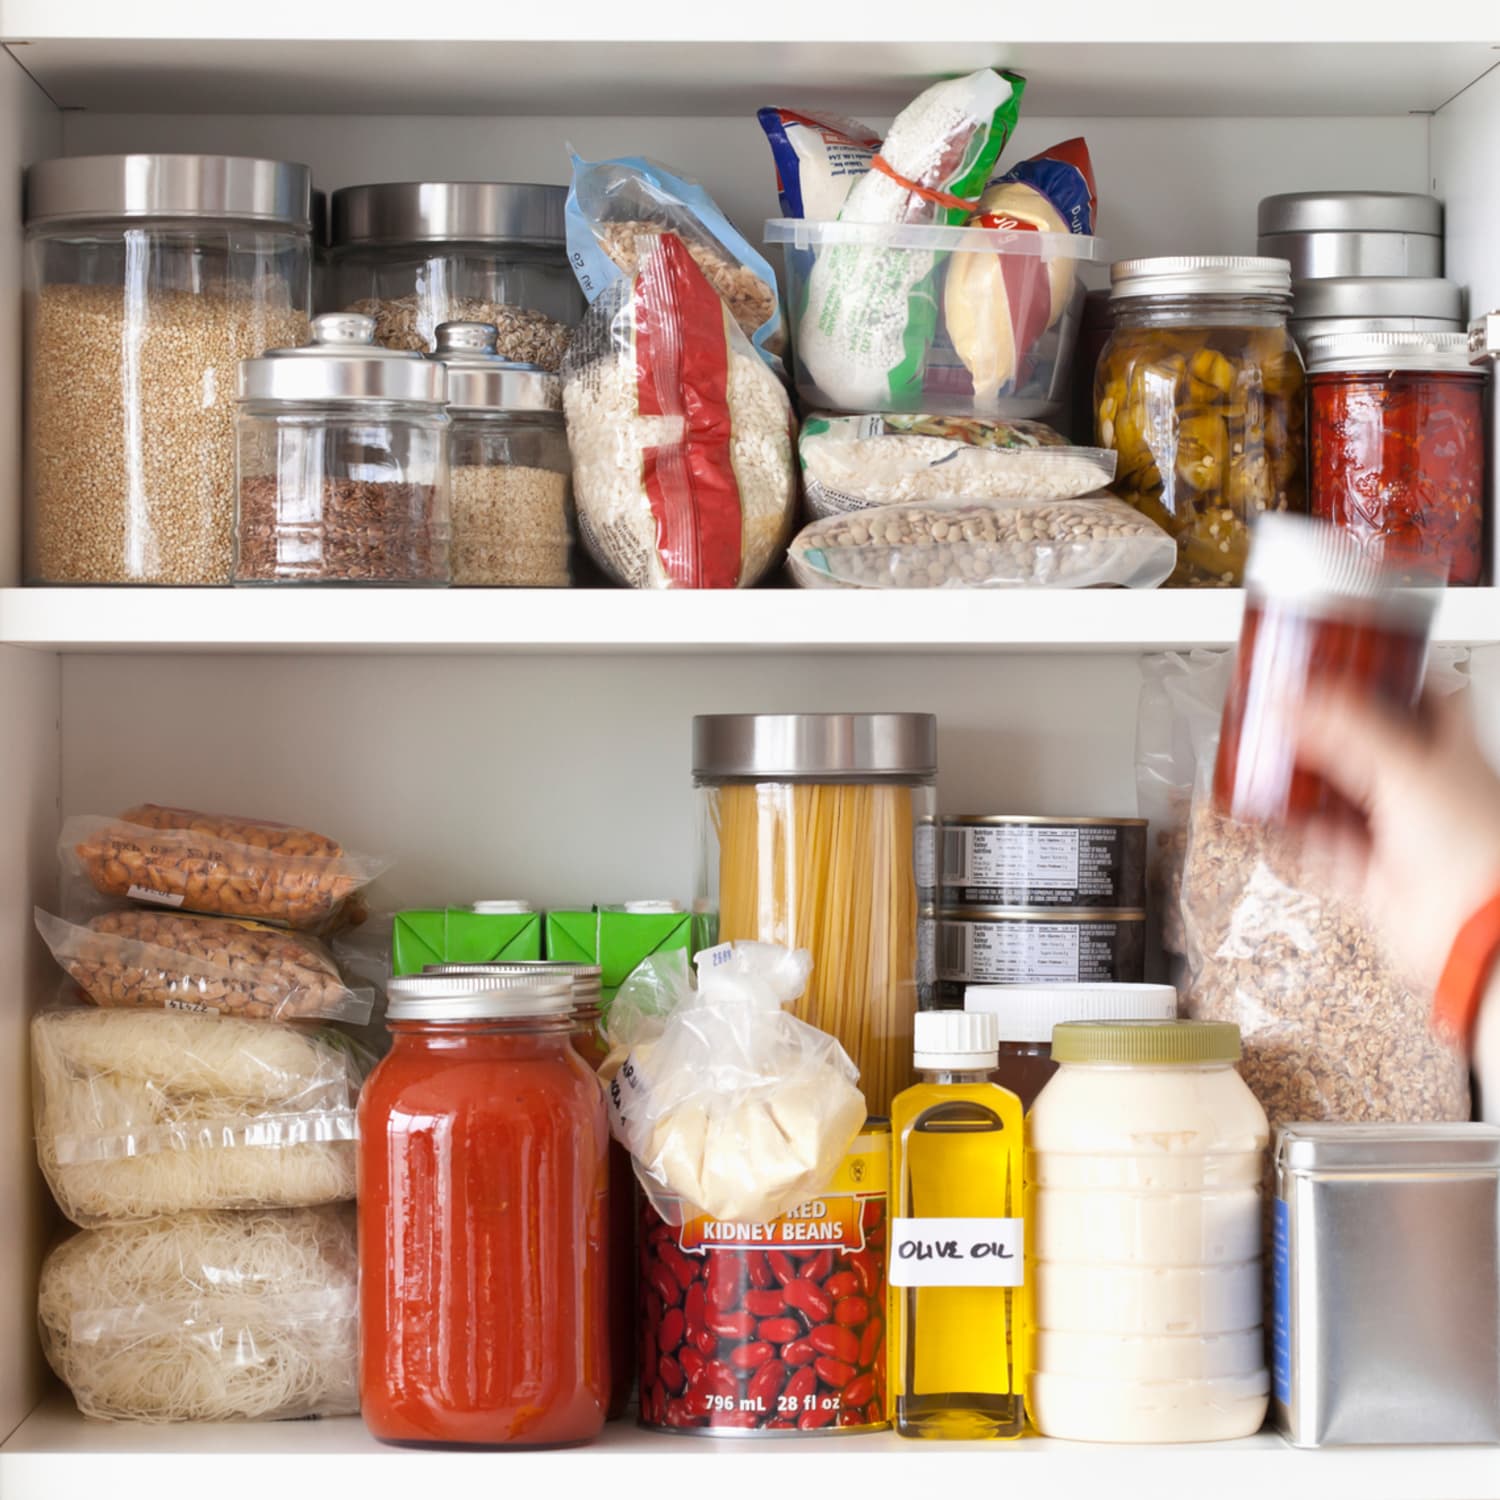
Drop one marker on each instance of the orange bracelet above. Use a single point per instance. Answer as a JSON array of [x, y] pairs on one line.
[[1475, 952]]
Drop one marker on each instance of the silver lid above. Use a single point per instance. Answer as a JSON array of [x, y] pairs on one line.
[[477, 997], [1298, 559], [1404, 213], [837, 747], [479, 380], [343, 363], [1389, 351], [396, 213], [586, 979], [1187, 275], [169, 186], [1327, 1147], [1378, 297]]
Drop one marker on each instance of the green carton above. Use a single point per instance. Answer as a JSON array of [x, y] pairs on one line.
[[616, 938], [464, 935]]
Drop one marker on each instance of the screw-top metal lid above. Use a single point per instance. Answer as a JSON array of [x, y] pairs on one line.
[[833, 747], [587, 979], [1425, 1148], [502, 908], [1378, 297], [159, 185], [1376, 352], [478, 997], [1312, 563], [1028, 1012], [479, 380], [343, 363], [1188, 275], [1300, 213], [393, 213], [1150, 1044], [956, 1040]]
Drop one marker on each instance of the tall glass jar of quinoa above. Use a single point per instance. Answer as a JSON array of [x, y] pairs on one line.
[[1200, 392]]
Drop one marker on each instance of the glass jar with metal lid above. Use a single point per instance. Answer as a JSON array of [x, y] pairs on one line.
[[482, 1155], [148, 278], [1397, 449], [1200, 391], [511, 476], [807, 837], [341, 453], [417, 254]]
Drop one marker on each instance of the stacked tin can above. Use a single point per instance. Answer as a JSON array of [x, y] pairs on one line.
[[1029, 900]]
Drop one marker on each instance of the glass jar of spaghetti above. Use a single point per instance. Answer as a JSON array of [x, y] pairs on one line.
[[482, 1185], [1398, 448], [809, 831], [1319, 609]]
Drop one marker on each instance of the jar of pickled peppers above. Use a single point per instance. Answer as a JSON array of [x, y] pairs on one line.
[[1397, 449], [1200, 392]]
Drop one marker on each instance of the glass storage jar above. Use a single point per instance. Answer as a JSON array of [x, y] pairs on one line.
[[1397, 449], [808, 836], [342, 462], [1318, 609], [510, 474], [1144, 1161], [482, 1177], [1200, 392], [417, 254], [148, 279]]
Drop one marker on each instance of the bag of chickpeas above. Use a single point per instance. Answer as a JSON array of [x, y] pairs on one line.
[[1095, 541]]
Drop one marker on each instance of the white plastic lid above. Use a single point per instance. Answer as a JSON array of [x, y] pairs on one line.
[[501, 908], [652, 908], [956, 1040], [1028, 1012]]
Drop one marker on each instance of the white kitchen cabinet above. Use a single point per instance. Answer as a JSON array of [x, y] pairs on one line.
[[499, 744]]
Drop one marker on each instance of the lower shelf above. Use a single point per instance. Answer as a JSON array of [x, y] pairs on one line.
[[55, 1454]]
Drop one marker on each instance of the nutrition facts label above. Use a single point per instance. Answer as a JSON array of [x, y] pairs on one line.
[[1020, 952], [1022, 864]]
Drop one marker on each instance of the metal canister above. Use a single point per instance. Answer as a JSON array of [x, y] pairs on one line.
[[1013, 860], [1353, 233], [1035, 945], [1386, 1312], [773, 1329]]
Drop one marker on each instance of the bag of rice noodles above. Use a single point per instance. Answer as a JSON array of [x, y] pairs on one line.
[[147, 1112], [208, 1317]]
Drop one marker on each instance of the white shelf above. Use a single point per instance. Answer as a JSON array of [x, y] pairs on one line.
[[615, 620], [55, 1453]]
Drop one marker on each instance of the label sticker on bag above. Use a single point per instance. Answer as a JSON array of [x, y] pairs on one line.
[[956, 1252], [156, 898]]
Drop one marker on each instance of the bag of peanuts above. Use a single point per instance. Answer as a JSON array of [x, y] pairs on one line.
[[1095, 541], [171, 961], [219, 865]]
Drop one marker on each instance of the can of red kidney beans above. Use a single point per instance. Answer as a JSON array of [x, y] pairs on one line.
[[772, 1329]]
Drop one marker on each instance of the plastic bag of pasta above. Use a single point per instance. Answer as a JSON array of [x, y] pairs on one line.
[[211, 1317], [728, 1104], [146, 1112]]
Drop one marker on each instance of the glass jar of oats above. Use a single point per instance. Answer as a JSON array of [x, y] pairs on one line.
[[510, 472], [149, 277]]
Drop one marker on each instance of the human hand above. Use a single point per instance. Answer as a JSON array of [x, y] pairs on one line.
[[1429, 855]]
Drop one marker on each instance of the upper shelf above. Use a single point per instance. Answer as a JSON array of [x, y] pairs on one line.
[[611, 620]]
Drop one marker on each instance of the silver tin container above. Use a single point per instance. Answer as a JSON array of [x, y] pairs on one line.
[[1386, 1312], [1353, 233], [1006, 859], [1375, 304]]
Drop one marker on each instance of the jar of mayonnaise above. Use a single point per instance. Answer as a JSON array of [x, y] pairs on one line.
[[1144, 1170]]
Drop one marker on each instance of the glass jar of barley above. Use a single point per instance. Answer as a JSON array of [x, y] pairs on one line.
[[149, 277]]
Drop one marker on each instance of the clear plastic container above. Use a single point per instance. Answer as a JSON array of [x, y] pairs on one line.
[[148, 279], [807, 837], [902, 356], [414, 255], [510, 470], [1144, 1164], [342, 463]]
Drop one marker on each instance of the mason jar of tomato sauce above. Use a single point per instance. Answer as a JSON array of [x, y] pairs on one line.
[[482, 1219], [1319, 610], [1397, 438]]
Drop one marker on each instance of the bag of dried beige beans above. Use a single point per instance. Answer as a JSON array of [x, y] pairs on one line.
[[170, 961]]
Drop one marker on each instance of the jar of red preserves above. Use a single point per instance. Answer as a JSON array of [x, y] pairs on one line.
[[1319, 609], [1398, 449], [482, 1183]]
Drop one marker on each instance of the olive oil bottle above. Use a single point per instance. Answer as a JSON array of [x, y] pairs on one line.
[[956, 1251]]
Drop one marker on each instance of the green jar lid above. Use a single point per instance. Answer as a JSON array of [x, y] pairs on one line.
[[1146, 1043]]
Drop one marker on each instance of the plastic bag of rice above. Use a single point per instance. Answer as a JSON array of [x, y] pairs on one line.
[[681, 437], [853, 463]]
